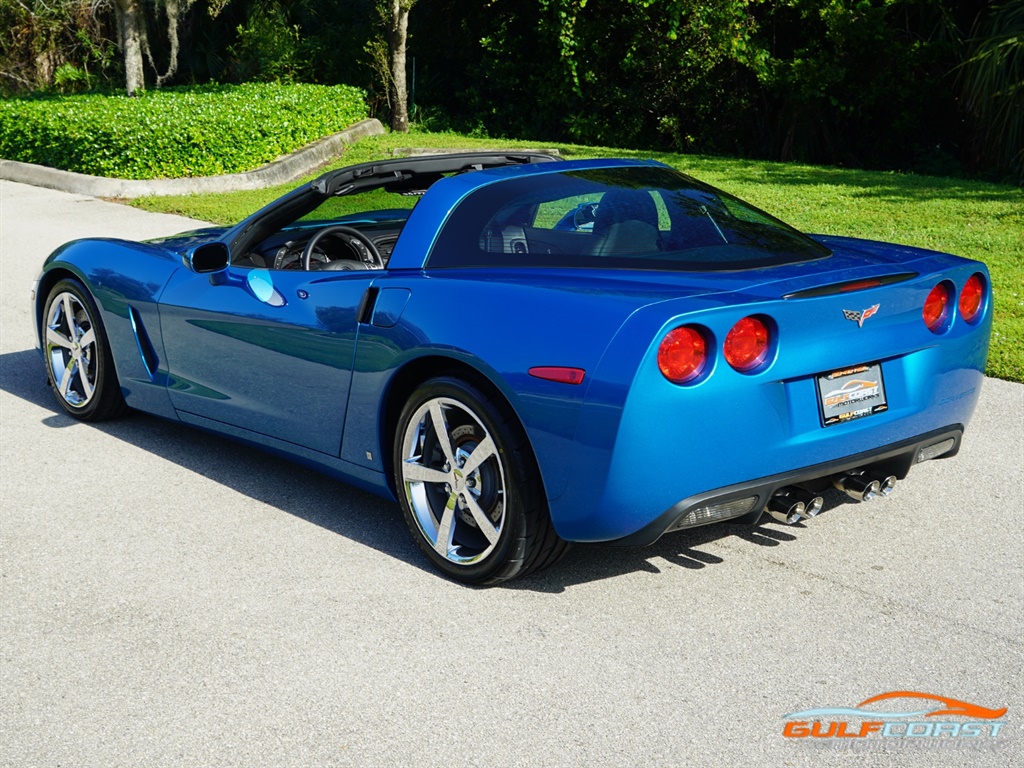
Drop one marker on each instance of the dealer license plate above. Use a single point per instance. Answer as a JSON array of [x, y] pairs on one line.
[[851, 393]]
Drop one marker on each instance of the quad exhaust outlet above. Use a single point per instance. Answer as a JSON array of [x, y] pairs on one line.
[[789, 505]]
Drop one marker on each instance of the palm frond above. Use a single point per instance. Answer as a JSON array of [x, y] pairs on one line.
[[992, 83]]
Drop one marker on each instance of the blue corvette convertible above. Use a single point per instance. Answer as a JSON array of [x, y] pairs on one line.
[[526, 352]]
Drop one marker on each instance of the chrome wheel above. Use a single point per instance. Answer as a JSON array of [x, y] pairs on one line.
[[468, 483], [453, 480], [71, 351], [79, 366]]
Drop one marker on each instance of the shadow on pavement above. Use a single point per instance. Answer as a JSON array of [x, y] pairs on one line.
[[593, 562], [360, 516], [264, 477]]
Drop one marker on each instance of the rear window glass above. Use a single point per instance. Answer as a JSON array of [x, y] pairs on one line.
[[620, 218]]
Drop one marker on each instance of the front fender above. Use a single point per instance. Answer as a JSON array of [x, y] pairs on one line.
[[126, 280]]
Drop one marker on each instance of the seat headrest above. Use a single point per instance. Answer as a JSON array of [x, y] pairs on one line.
[[619, 205]]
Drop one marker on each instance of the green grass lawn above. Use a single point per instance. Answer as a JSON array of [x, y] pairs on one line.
[[974, 219]]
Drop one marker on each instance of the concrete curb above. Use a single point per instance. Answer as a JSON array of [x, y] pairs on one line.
[[288, 168]]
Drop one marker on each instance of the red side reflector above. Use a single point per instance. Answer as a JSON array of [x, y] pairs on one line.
[[558, 373]]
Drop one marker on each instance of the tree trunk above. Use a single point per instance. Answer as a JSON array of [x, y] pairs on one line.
[[398, 30], [173, 11], [131, 33]]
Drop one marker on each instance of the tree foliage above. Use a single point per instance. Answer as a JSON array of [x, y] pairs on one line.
[[861, 83], [858, 82], [69, 45], [993, 85], [636, 73], [927, 85]]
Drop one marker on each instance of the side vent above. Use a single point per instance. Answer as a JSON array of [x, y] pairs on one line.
[[149, 357], [369, 300]]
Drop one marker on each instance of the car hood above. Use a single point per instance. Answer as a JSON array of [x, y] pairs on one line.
[[184, 241]]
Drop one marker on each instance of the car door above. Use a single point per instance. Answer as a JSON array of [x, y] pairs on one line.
[[268, 351]]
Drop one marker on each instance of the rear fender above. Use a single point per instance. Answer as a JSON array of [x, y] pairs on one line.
[[475, 328]]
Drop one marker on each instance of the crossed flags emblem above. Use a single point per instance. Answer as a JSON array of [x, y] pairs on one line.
[[859, 316]]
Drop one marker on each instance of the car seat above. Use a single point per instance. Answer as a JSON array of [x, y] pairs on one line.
[[626, 223]]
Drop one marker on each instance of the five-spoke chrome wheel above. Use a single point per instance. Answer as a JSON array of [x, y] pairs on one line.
[[468, 483], [70, 346], [78, 362], [453, 480]]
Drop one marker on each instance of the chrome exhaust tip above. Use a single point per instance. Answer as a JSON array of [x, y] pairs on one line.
[[859, 487], [786, 509], [812, 503], [886, 483]]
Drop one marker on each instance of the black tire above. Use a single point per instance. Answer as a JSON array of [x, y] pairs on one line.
[[498, 525], [79, 366]]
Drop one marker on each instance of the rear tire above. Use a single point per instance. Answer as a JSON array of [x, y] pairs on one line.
[[79, 366], [469, 487]]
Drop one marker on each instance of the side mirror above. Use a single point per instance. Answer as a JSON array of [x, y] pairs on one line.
[[208, 258]]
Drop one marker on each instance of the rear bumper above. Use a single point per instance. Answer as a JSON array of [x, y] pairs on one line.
[[751, 497], [644, 445]]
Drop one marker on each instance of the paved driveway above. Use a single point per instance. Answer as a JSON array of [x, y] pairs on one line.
[[172, 599]]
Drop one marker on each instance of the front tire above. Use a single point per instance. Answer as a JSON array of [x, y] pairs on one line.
[[79, 366], [469, 487]]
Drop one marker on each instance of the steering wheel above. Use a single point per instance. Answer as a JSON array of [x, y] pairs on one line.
[[339, 229], [585, 214]]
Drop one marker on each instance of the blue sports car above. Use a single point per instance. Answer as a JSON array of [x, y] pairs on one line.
[[526, 352]]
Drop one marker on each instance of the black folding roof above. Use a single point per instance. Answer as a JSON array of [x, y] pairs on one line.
[[416, 173]]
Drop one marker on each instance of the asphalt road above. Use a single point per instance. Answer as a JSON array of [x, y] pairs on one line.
[[173, 599]]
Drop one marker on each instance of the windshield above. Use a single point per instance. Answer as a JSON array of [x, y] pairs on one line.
[[636, 217], [375, 205]]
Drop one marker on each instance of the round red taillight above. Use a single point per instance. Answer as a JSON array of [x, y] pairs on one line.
[[747, 344], [971, 297], [936, 308], [683, 354]]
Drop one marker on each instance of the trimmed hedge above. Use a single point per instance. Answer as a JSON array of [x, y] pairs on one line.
[[175, 132]]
